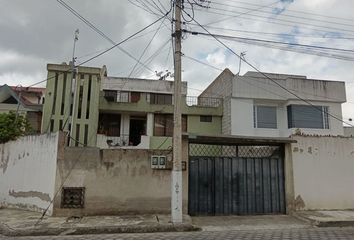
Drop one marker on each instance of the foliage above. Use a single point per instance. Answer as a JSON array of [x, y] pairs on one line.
[[12, 128]]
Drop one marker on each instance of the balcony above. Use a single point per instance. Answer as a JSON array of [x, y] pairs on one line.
[[203, 101], [106, 142], [161, 103]]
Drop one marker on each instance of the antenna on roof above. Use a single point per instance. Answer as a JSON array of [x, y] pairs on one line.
[[242, 57]]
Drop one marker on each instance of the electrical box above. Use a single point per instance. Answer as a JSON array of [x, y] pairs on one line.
[[159, 162]]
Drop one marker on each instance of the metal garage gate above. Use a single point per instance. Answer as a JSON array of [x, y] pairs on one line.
[[239, 180]]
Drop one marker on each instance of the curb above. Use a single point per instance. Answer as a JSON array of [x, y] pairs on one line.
[[7, 231], [317, 223]]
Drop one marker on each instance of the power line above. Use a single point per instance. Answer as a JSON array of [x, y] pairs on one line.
[[286, 15], [105, 51], [300, 48], [276, 42], [295, 11], [265, 75], [252, 10], [277, 34], [159, 50], [277, 21], [146, 47], [88, 23], [203, 63]]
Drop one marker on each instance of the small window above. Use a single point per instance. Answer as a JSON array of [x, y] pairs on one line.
[[73, 197], [206, 118], [264, 117]]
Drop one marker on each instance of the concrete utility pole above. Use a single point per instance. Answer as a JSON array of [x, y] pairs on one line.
[[176, 188], [73, 85]]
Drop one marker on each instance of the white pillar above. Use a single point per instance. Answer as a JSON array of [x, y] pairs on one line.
[[150, 124], [124, 127]]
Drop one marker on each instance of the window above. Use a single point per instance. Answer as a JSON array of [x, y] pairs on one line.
[[305, 116], [109, 124], [165, 99], [122, 96], [264, 116], [73, 197], [206, 118], [163, 125]]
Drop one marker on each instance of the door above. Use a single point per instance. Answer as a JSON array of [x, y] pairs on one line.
[[236, 183]]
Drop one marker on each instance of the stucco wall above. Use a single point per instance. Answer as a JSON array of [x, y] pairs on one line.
[[27, 172], [323, 170], [349, 131], [118, 181]]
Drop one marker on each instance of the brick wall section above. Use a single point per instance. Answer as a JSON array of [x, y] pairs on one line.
[[221, 87]]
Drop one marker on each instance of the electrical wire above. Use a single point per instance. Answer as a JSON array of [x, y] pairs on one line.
[[93, 27], [146, 47], [266, 76], [105, 51], [240, 14], [282, 20], [292, 47], [287, 15], [323, 36], [279, 22], [295, 11], [274, 42]]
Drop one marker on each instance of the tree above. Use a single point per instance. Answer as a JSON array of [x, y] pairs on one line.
[[11, 127]]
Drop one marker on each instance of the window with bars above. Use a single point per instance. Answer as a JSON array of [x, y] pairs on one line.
[[306, 116], [73, 197], [264, 116]]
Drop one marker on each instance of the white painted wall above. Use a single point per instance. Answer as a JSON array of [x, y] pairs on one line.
[[27, 172], [242, 118], [323, 170]]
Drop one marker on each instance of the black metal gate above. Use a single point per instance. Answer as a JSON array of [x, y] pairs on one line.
[[240, 180]]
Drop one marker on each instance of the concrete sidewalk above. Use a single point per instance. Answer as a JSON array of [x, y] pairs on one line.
[[14, 222], [329, 218], [246, 223]]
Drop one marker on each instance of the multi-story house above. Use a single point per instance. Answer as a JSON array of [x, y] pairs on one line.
[[255, 105], [26, 101], [112, 112]]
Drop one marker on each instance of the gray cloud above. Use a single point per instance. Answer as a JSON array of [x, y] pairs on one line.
[[36, 32]]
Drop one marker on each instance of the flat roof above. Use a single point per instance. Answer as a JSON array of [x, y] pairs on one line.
[[234, 139]]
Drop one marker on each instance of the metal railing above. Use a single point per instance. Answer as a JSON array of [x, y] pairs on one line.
[[203, 101]]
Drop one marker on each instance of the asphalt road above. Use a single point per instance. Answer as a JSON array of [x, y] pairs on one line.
[[303, 234]]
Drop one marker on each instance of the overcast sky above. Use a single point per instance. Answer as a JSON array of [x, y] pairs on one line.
[[36, 32]]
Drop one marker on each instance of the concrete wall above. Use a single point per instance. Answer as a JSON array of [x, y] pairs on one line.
[[140, 85], [256, 86], [118, 181], [323, 169], [27, 172], [56, 109], [221, 87], [194, 125], [349, 131]]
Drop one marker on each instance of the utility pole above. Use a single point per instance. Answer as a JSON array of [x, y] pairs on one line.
[[73, 86], [176, 181], [18, 102]]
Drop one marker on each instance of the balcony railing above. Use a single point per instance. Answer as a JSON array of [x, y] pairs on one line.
[[122, 141], [203, 101]]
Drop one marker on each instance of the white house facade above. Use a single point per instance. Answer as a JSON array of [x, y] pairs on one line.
[[258, 106]]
